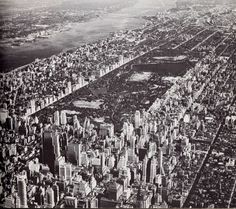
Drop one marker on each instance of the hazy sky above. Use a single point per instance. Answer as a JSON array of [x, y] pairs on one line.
[[41, 3], [8, 7]]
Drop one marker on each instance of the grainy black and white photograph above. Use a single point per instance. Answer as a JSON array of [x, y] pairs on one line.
[[118, 103]]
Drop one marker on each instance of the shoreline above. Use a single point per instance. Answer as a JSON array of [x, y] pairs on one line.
[[57, 50], [68, 50]]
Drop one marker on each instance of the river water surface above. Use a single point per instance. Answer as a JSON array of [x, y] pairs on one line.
[[80, 33]]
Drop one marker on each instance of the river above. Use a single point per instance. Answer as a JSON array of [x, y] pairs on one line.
[[80, 33]]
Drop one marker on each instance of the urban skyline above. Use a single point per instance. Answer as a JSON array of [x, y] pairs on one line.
[[142, 118]]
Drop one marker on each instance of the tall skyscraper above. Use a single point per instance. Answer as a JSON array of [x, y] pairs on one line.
[[137, 119], [68, 171], [62, 172], [32, 105], [56, 191], [130, 131], [3, 115], [74, 153], [102, 158], [65, 171], [160, 161], [50, 198], [22, 192], [121, 162], [69, 86], [144, 168], [111, 161], [153, 169], [125, 128], [63, 118], [48, 154], [132, 142], [76, 123], [56, 118], [56, 141]]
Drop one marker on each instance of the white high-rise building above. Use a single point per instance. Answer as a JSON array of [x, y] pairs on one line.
[[132, 142], [76, 122], [125, 128], [68, 171], [130, 130], [121, 162], [84, 159], [65, 171], [153, 169], [22, 192], [62, 172], [144, 168], [160, 161], [137, 119], [111, 162], [56, 118], [63, 118], [32, 105], [69, 86]]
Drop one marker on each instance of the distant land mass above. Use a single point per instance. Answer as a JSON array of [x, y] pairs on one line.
[[39, 29]]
